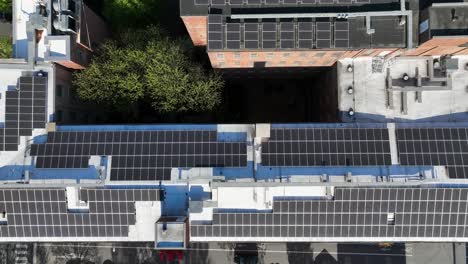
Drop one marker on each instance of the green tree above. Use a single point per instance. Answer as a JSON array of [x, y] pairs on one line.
[[6, 6], [6, 47], [130, 13], [145, 66]]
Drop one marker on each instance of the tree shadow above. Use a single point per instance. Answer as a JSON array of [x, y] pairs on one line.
[[325, 258]]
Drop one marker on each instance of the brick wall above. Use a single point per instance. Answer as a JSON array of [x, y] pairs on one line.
[[197, 28], [440, 46], [314, 58]]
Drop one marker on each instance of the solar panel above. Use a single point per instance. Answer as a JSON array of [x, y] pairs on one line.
[[236, 2], [323, 34], [341, 34], [287, 38], [269, 35], [354, 212], [202, 2], [305, 35], [233, 35], [251, 35], [435, 147], [215, 32], [44, 213], [326, 147], [218, 2], [140, 155], [25, 109]]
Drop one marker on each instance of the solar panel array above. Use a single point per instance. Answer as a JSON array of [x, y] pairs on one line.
[[341, 34], [140, 155], [25, 110], [327, 147], [43, 212], [269, 37], [277, 35], [215, 32], [435, 146], [306, 33], [272, 3], [251, 36], [354, 212], [323, 35]]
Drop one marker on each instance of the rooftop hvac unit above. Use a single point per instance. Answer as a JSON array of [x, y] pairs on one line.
[[65, 6], [65, 23]]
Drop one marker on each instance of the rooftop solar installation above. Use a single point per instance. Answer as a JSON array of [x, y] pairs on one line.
[[269, 37], [233, 36], [353, 213], [140, 155], [251, 35], [25, 110], [436, 147], [341, 34], [215, 32], [323, 35], [287, 35], [43, 212], [304, 34], [327, 147], [283, 3]]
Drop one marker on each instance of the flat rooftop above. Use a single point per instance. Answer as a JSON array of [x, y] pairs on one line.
[[304, 34], [402, 214], [373, 100], [449, 19], [203, 7], [319, 153]]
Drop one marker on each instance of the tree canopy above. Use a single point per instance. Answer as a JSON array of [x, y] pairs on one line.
[[130, 13], [6, 6], [6, 47], [145, 66]]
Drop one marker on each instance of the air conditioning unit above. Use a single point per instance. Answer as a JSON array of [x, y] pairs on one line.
[[66, 15], [65, 23], [65, 6]]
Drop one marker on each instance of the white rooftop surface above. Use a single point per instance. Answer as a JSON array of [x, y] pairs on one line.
[[147, 214], [175, 232], [261, 197], [369, 89]]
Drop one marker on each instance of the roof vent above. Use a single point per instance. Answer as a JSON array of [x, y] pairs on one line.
[[401, 20], [350, 90], [65, 23], [351, 112], [454, 16], [349, 68], [405, 77], [65, 15], [391, 219]]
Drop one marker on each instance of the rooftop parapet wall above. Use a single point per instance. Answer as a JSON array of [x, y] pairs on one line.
[[315, 58]]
